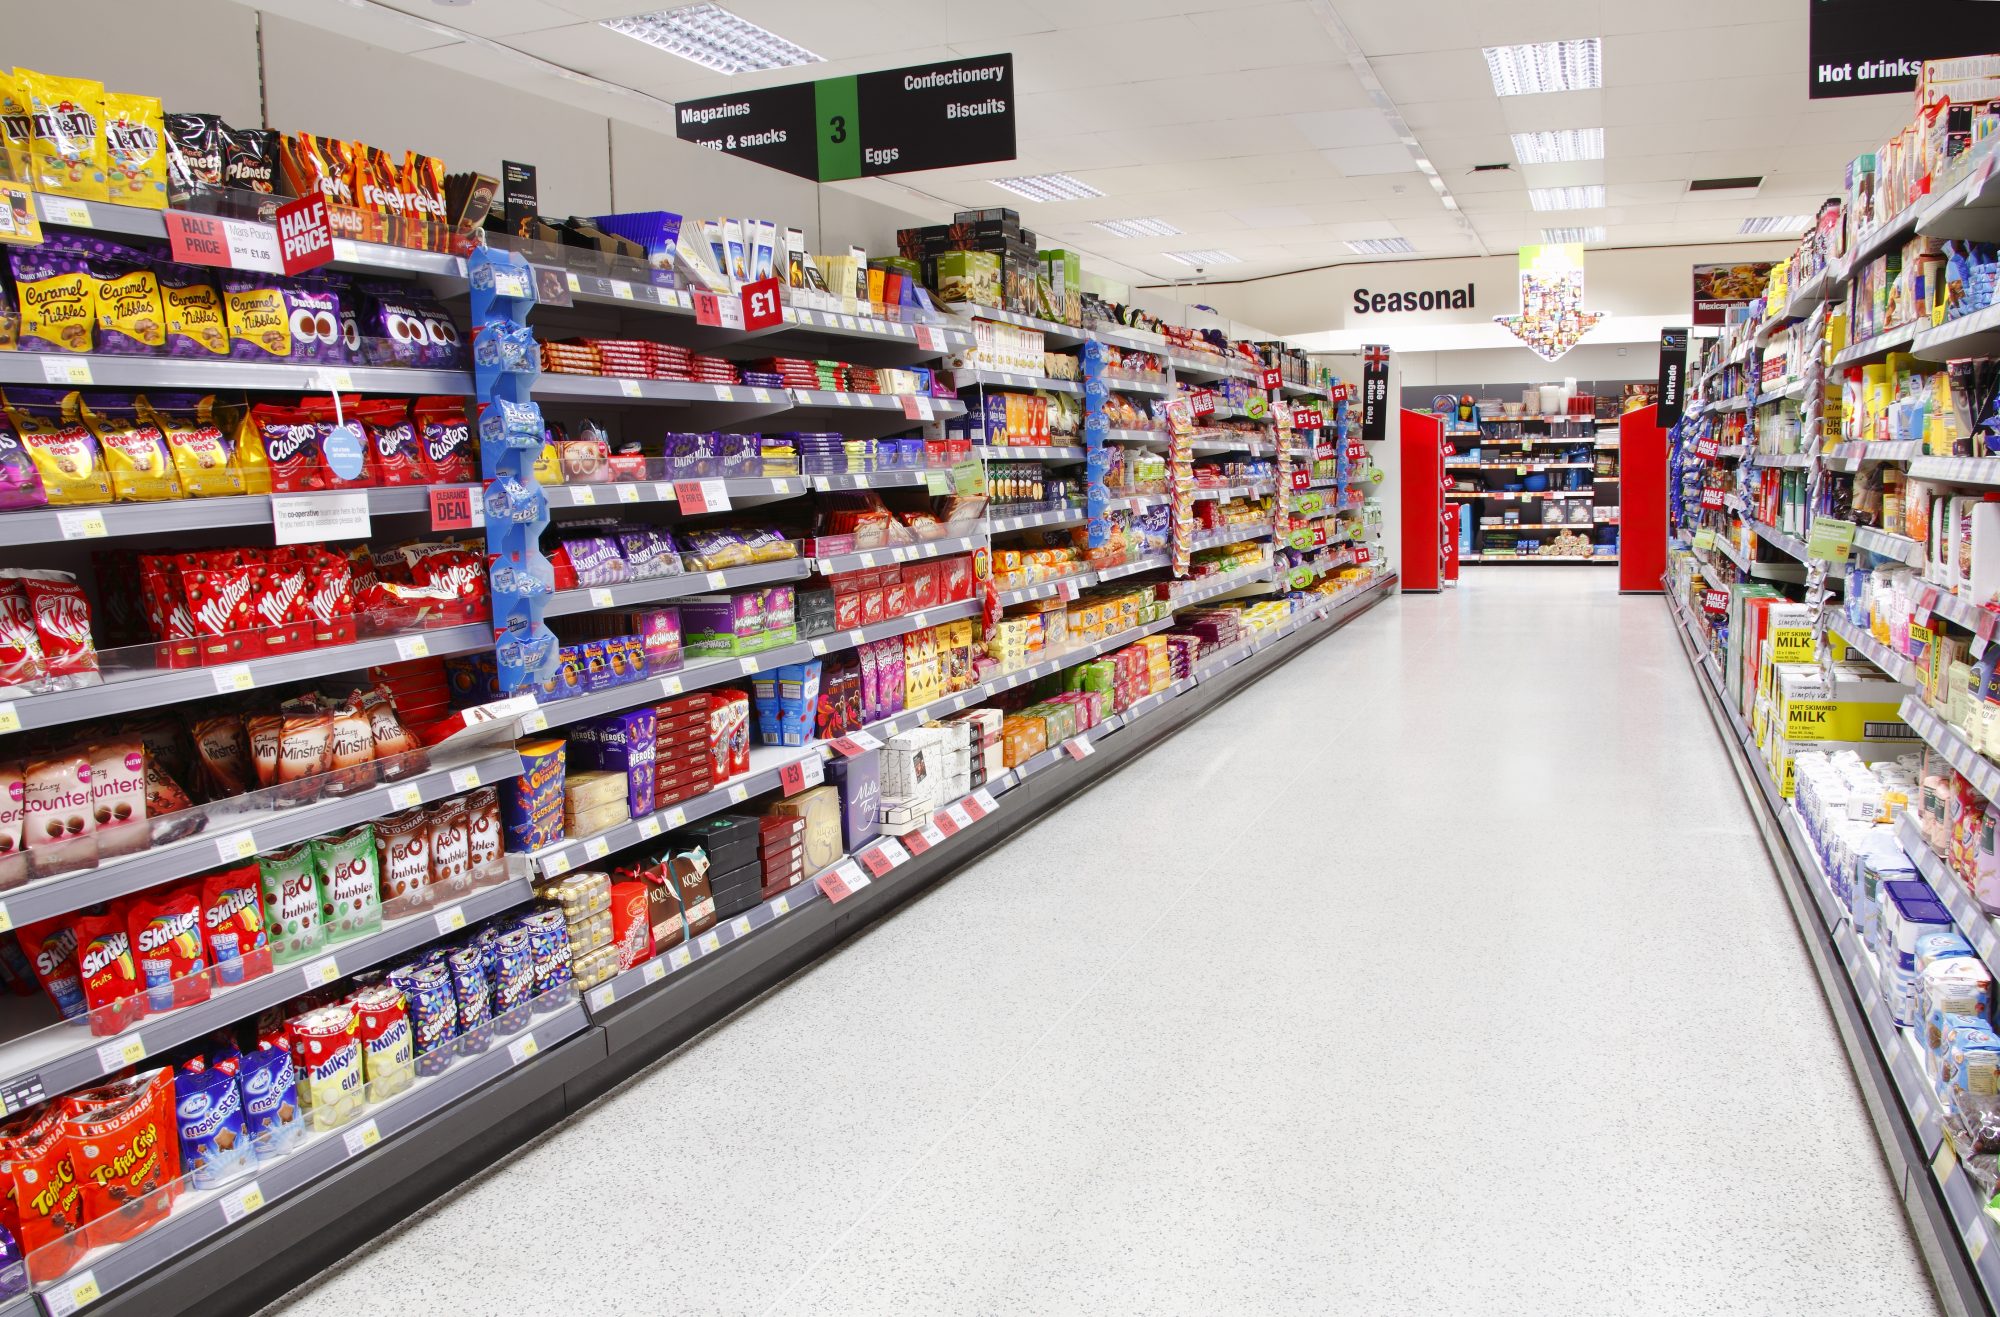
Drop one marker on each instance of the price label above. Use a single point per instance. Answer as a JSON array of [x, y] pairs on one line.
[[555, 866], [450, 921], [602, 996], [917, 842], [692, 495], [677, 817], [1272, 377], [945, 823], [916, 407], [781, 906], [709, 942], [464, 779], [957, 814], [1925, 603], [723, 393], [739, 793], [761, 305], [234, 677], [65, 370], [10, 718], [600, 597], [802, 773], [322, 972], [534, 722], [719, 312], [412, 647], [521, 1049], [121, 1052], [630, 388], [583, 496], [87, 525], [928, 340], [649, 828], [833, 884], [655, 971], [361, 1138], [1079, 748], [236, 847], [628, 493], [985, 800], [242, 1202], [620, 289], [680, 957], [670, 685], [72, 1294], [596, 848], [876, 860], [818, 647], [740, 926], [1202, 402], [855, 743]]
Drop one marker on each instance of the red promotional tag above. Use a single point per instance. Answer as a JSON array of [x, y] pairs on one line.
[[1274, 377], [973, 809], [945, 823], [859, 743], [231, 244], [1715, 601], [1711, 498], [1450, 448], [876, 861], [305, 237], [801, 773], [1361, 553], [917, 842], [1987, 618], [723, 313], [761, 305], [691, 496], [1079, 748], [1301, 478], [1338, 393], [1446, 481], [834, 886], [1202, 402], [451, 507]]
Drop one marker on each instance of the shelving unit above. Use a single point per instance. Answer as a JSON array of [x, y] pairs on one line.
[[1498, 456]]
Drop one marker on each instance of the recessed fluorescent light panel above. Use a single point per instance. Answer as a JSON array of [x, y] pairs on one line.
[[714, 38], [1145, 226], [1203, 258], [1560, 146], [1544, 66], [1594, 233], [1567, 198], [1381, 247], [1047, 187], [1785, 225]]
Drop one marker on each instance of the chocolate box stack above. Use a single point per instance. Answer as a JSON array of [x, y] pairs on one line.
[[621, 743], [912, 775], [818, 810], [585, 900], [781, 851], [735, 864], [682, 765], [986, 759], [859, 781]]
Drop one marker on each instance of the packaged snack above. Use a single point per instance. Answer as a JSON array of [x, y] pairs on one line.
[[395, 450], [59, 816], [260, 324], [450, 848], [326, 1051], [66, 154], [388, 1059], [270, 1098], [191, 312], [47, 1194], [126, 1154], [397, 753], [469, 988], [486, 852], [134, 449], [50, 947], [58, 297], [20, 646], [208, 1107], [513, 971], [222, 756], [118, 797], [349, 883], [62, 628], [402, 845], [65, 453], [135, 150], [193, 144], [20, 482], [17, 129], [250, 160], [343, 448], [168, 949], [447, 440], [109, 973], [305, 751], [294, 910], [13, 827], [232, 914], [130, 318], [203, 455]]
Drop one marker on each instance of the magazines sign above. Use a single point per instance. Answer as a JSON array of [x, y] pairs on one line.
[[1719, 289]]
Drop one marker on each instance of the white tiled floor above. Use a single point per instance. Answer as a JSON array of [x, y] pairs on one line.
[[1441, 971]]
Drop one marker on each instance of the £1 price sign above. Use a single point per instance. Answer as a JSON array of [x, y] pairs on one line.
[[761, 306], [1273, 377]]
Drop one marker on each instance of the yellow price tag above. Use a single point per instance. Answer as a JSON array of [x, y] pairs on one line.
[[535, 722], [782, 906], [251, 1198], [84, 1290], [739, 793], [10, 721], [236, 847], [740, 925], [596, 848], [322, 972]]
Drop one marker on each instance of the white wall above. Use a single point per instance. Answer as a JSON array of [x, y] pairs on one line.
[[1475, 367], [203, 55]]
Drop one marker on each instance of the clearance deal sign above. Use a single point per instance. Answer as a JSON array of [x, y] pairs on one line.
[[930, 116]]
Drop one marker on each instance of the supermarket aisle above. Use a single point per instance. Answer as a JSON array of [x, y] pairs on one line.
[[1473, 994]]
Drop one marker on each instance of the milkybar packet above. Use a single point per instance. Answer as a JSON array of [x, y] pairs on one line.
[[66, 154], [134, 448], [135, 150], [203, 456], [65, 453]]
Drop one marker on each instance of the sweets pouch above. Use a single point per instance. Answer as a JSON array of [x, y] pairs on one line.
[[292, 903], [447, 439], [62, 628], [351, 887], [130, 320], [203, 455], [58, 293], [167, 946], [110, 975], [289, 443], [125, 1149], [47, 1195], [191, 312], [66, 154], [395, 451], [193, 145], [208, 1109], [16, 128], [134, 450], [65, 453], [232, 912], [250, 160], [270, 1098], [20, 483], [135, 150]]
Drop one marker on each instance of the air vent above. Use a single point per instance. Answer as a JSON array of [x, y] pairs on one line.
[[1487, 169], [1750, 184]]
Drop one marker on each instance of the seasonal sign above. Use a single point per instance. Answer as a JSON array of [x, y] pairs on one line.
[[1552, 318]]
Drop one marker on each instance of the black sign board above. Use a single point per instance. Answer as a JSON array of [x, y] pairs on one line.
[[1374, 392], [930, 116], [519, 200], [1673, 375], [1864, 48]]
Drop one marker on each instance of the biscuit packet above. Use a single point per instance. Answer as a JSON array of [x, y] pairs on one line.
[[66, 152], [134, 448], [65, 453], [135, 150], [203, 455], [130, 320], [195, 324], [58, 292]]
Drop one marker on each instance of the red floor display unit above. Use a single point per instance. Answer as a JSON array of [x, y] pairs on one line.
[[1642, 560], [1424, 482]]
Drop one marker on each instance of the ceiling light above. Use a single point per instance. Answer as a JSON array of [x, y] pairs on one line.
[[1593, 233], [1786, 225], [1567, 198], [1203, 258], [1145, 226], [714, 38], [1047, 187], [1381, 246], [1564, 144], [1544, 66]]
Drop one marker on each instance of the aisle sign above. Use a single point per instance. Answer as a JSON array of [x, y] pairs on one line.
[[928, 116], [1673, 375], [1852, 51], [1374, 392]]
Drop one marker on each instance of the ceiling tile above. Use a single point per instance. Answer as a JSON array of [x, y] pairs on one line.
[[1360, 161]]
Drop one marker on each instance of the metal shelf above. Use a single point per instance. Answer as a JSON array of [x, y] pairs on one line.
[[1210, 587], [1027, 453], [1891, 663], [183, 516], [151, 688], [231, 839], [1968, 336], [1957, 470], [1080, 580], [66, 370], [1001, 379], [1784, 460], [59, 1058], [1881, 345], [1031, 520], [1138, 384], [862, 560], [1138, 437], [1230, 535], [1978, 927], [1970, 206], [1900, 548], [760, 488], [659, 589], [1056, 336], [1942, 737]]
